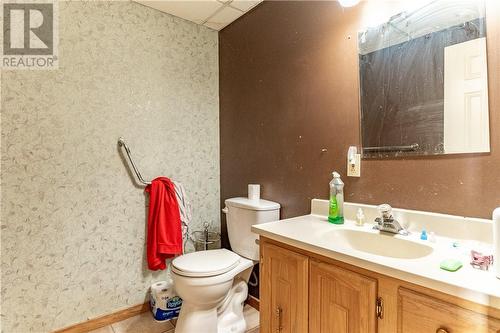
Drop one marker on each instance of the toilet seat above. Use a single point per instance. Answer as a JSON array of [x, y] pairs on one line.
[[205, 263]]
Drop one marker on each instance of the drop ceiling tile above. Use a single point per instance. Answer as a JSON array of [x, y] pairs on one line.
[[195, 11], [244, 5], [223, 18]]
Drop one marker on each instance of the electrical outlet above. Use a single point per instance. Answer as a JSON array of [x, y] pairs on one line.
[[354, 170]]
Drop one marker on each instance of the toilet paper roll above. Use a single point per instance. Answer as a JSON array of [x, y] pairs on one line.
[[165, 304], [253, 191], [496, 240], [159, 288]]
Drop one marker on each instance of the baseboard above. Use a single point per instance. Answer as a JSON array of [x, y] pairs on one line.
[[93, 324], [253, 302]]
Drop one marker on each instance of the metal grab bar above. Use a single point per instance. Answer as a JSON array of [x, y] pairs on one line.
[[121, 143], [412, 147]]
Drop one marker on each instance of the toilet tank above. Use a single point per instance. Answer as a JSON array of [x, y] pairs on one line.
[[241, 214]]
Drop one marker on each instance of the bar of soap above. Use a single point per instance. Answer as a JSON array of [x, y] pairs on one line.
[[451, 265]]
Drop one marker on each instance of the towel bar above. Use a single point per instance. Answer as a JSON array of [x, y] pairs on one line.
[[121, 143], [413, 147]]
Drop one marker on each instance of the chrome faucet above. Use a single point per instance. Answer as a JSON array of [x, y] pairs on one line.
[[387, 223]]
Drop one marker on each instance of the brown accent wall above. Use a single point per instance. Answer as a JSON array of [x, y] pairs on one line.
[[289, 87]]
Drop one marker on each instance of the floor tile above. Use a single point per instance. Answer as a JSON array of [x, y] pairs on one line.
[[253, 330], [141, 324], [170, 331], [105, 329], [145, 323], [251, 317]]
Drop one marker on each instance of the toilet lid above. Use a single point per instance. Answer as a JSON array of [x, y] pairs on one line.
[[205, 263]]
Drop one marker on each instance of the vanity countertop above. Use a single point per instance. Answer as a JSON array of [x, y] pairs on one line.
[[310, 233]]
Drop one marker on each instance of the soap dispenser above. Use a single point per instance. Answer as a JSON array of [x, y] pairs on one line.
[[336, 209], [360, 217]]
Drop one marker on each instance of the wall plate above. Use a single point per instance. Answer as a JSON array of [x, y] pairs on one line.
[[354, 170]]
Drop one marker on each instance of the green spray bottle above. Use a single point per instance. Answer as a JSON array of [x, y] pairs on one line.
[[336, 210]]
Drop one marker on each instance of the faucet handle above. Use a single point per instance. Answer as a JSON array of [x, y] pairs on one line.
[[385, 211]]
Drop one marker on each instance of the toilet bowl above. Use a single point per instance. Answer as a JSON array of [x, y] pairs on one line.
[[213, 283]]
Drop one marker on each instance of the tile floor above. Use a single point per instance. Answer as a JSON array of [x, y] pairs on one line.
[[144, 323]]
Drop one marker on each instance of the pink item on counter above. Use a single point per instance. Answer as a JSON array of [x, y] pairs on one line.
[[480, 261]]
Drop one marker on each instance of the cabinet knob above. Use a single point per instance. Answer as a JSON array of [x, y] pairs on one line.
[[441, 330]]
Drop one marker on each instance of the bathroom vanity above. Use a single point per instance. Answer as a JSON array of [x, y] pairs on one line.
[[319, 277]]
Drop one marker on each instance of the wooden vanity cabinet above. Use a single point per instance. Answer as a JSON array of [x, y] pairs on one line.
[[305, 292], [340, 301], [284, 277], [419, 313], [299, 295]]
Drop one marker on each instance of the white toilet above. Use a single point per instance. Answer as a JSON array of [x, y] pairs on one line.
[[213, 283]]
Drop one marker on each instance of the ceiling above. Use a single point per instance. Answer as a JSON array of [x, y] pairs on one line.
[[215, 14]]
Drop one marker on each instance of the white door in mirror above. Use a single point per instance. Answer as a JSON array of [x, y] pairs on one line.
[[466, 121]]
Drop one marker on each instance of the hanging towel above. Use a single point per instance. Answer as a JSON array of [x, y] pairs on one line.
[[184, 210], [164, 239]]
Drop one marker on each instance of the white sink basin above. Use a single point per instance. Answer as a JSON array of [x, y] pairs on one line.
[[379, 244]]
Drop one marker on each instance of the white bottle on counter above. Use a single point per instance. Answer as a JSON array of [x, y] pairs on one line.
[[496, 240]]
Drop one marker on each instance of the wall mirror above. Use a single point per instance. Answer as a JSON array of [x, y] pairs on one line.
[[424, 82]]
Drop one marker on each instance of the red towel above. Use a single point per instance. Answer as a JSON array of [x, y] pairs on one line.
[[164, 239]]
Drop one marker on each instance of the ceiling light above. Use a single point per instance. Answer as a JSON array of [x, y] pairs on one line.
[[348, 3]]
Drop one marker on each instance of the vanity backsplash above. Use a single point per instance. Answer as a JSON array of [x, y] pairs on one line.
[[451, 226]]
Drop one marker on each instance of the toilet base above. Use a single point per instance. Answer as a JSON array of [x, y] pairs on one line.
[[226, 317], [230, 312], [193, 319]]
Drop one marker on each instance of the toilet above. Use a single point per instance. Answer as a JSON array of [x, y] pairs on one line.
[[213, 283]]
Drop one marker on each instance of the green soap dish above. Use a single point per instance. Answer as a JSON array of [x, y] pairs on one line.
[[451, 265]]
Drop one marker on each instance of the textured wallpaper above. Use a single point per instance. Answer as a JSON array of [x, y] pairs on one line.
[[73, 223]]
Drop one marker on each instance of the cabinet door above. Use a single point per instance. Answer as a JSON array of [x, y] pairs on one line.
[[341, 301], [284, 294], [419, 313]]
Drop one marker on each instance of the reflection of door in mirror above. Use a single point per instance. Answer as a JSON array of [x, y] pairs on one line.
[[424, 82], [466, 123]]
